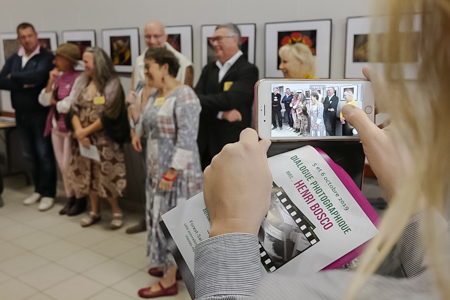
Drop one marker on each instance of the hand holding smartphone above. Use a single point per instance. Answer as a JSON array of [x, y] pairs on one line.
[[293, 109]]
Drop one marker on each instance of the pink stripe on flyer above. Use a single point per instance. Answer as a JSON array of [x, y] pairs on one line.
[[360, 199]]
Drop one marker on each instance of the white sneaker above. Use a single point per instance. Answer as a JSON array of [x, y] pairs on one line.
[[32, 199], [46, 203]]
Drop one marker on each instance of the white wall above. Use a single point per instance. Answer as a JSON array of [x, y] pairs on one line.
[[59, 15]]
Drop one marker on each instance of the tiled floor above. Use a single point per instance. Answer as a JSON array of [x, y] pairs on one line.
[[46, 256]]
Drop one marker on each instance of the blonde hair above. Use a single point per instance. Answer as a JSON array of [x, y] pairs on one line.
[[422, 182], [350, 94], [301, 52]]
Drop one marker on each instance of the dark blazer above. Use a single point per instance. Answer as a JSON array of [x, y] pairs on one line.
[[213, 133], [334, 104], [34, 75]]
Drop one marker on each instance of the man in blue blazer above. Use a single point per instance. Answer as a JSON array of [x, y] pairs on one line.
[[225, 90], [25, 74]]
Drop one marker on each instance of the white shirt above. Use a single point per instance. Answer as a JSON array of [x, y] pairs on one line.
[[227, 65], [26, 58], [140, 62], [223, 69]]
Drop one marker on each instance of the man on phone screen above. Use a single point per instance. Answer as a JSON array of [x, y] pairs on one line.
[[329, 111]]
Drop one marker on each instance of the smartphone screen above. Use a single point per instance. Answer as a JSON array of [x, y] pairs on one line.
[[291, 110]]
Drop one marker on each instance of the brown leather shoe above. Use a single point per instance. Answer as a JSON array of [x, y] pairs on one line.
[[69, 203], [169, 291], [140, 227], [78, 207]]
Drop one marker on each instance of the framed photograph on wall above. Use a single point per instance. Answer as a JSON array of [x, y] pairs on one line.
[[350, 88], [180, 38], [357, 48], [81, 38], [122, 45], [10, 45], [315, 34], [248, 42]]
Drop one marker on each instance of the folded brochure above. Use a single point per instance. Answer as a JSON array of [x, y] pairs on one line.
[[318, 219]]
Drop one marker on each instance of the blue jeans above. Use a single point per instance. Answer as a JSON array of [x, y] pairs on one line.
[[38, 152]]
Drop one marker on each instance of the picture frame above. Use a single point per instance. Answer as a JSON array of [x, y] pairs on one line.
[[122, 45], [181, 39], [248, 34], [314, 33], [82, 39], [10, 45], [357, 48]]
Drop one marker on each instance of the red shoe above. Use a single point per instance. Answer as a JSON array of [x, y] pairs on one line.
[[160, 273], [170, 291]]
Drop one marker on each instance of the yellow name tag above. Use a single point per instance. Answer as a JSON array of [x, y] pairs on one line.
[[227, 85], [159, 101], [99, 100]]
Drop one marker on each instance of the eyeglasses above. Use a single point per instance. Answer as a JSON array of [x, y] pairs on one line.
[[219, 38], [156, 36]]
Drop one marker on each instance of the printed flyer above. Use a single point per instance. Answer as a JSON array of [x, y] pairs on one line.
[[318, 219]]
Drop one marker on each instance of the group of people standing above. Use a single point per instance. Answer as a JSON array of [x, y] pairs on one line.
[[316, 117], [68, 115]]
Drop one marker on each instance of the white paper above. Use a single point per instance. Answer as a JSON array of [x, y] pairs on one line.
[[91, 153], [308, 244]]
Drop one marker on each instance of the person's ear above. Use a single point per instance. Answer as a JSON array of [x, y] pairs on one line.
[[166, 68], [165, 38]]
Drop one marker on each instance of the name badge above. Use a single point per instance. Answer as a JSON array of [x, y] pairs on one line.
[[99, 100], [159, 101], [227, 85]]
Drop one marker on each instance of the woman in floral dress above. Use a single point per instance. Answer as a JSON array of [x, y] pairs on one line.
[[99, 92], [170, 120]]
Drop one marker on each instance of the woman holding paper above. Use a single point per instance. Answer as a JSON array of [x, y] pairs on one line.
[[170, 120], [102, 173], [411, 161]]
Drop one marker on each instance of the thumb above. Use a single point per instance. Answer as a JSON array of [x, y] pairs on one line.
[[358, 118], [265, 144]]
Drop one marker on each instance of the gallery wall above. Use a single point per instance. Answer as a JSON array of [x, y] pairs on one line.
[[59, 15]]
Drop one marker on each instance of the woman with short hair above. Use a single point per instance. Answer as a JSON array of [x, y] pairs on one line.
[[297, 61], [99, 95], [347, 128], [170, 120], [316, 112]]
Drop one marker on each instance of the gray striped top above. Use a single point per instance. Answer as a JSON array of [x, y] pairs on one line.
[[228, 267]]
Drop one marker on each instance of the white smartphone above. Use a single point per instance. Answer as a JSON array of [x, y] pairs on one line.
[[309, 109]]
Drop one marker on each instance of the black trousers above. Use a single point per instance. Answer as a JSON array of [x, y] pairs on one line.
[[330, 123], [276, 115], [346, 129], [38, 152]]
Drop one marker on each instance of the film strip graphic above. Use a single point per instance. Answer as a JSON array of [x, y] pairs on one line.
[[303, 223]]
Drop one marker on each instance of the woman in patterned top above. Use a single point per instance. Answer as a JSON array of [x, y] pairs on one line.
[[99, 92], [170, 120]]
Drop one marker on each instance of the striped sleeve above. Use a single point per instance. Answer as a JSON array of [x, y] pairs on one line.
[[227, 267]]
